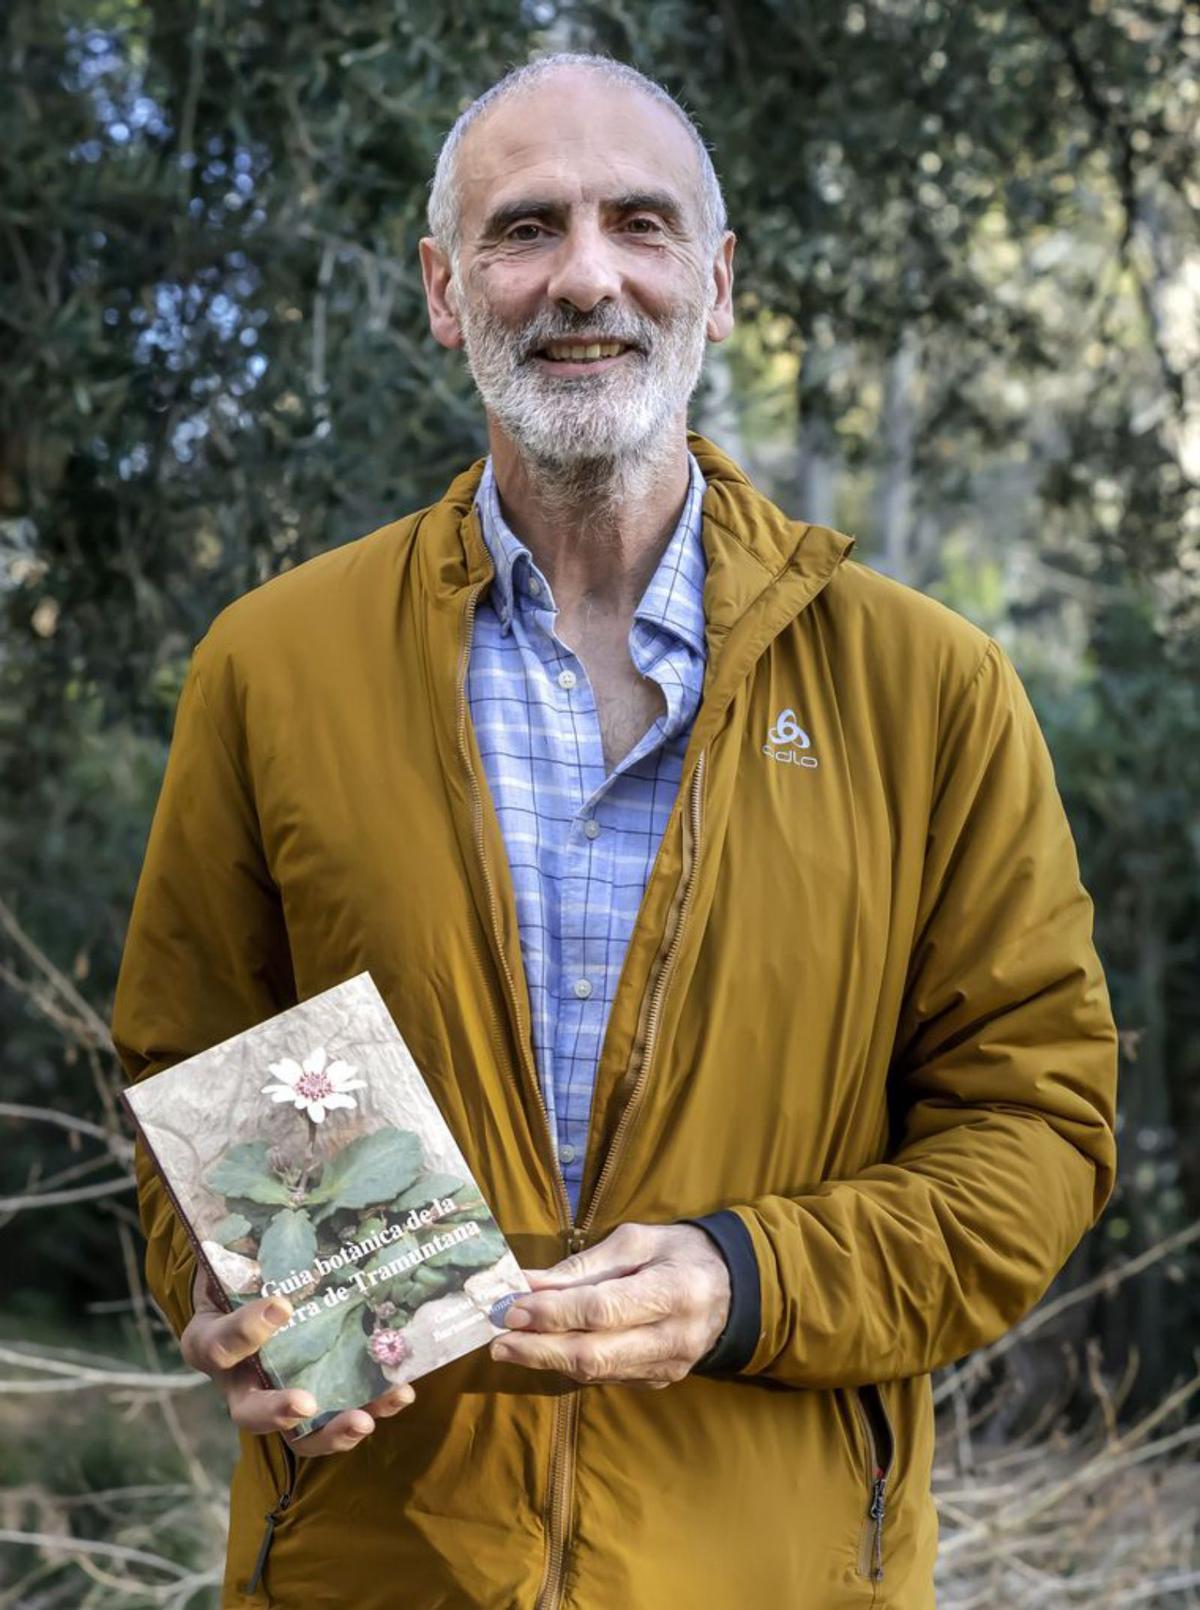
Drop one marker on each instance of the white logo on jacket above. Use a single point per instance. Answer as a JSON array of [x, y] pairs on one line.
[[786, 738]]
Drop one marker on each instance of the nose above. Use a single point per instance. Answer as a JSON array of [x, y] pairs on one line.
[[584, 271]]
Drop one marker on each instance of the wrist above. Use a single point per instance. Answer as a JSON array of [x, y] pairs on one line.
[[735, 1343]]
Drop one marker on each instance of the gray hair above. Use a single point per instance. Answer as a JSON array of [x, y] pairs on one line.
[[443, 190]]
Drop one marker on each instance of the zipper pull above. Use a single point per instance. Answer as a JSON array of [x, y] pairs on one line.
[[876, 1512], [265, 1546], [576, 1239]]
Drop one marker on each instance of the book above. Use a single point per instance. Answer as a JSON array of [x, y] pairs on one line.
[[306, 1157]]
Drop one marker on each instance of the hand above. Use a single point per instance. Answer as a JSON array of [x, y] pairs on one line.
[[221, 1346], [641, 1307]]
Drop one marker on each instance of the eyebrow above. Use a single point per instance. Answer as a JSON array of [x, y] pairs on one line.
[[537, 207]]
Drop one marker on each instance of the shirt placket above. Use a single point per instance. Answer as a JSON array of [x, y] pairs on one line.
[[577, 977]]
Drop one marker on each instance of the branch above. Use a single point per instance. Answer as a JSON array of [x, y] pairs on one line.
[[69, 1377], [66, 1120], [1113, 131], [76, 1193], [87, 1545]]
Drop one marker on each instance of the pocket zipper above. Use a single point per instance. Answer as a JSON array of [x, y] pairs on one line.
[[281, 1504], [879, 1434]]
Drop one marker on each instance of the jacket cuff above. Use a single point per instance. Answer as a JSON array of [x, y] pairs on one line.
[[734, 1347]]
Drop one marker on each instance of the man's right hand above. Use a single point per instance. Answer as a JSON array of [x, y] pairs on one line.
[[222, 1345]]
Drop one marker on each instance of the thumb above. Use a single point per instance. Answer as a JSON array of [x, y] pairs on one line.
[[621, 1253]]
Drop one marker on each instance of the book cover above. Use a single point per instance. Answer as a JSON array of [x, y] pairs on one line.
[[306, 1157]]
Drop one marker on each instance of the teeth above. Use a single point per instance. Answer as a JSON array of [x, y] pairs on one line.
[[562, 353]]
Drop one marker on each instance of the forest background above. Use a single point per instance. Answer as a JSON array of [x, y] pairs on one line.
[[968, 296]]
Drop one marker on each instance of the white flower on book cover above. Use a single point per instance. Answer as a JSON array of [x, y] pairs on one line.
[[315, 1085]]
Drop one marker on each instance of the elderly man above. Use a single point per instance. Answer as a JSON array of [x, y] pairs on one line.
[[722, 891]]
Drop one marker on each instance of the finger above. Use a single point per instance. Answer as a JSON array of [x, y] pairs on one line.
[[205, 1294], [345, 1431], [643, 1298], [213, 1341], [260, 1409], [651, 1352], [390, 1402], [621, 1253]]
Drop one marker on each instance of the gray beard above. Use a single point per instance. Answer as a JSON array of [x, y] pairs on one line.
[[594, 442]]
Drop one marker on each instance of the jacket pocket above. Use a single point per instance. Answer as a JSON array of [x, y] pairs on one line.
[[281, 1505], [881, 1467]]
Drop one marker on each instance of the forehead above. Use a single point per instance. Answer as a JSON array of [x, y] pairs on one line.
[[574, 138]]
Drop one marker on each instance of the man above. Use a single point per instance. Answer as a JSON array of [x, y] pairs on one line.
[[723, 893]]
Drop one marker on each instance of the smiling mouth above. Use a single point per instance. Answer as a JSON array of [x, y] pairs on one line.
[[582, 351]]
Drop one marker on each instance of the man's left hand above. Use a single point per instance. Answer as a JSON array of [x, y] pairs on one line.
[[640, 1307]]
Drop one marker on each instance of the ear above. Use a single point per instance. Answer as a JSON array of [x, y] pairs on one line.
[[439, 294], [720, 314]]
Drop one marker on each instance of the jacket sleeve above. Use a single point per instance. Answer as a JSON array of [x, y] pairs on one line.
[[206, 952], [1001, 1089]]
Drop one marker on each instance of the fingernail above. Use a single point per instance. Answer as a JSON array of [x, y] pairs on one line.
[[277, 1312], [404, 1396], [500, 1353], [501, 1307], [304, 1406]]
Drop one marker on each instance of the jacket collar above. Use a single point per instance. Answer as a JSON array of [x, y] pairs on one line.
[[763, 568]]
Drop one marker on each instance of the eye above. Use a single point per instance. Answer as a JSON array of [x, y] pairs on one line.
[[643, 225], [515, 232]]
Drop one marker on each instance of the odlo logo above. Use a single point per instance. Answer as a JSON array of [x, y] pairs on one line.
[[785, 741]]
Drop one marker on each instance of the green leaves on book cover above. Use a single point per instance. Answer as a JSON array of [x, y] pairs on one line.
[[289, 1242], [294, 1219], [243, 1171], [374, 1168]]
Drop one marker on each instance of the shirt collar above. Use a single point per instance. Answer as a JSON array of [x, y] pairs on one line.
[[674, 596]]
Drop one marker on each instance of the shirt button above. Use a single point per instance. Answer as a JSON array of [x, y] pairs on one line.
[[582, 988], [566, 679], [566, 1154], [533, 587], [592, 827]]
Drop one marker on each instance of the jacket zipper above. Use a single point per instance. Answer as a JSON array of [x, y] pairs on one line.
[[695, 802], [561, 1478], [281, 1504], [870, 1556], [562, 1470], [561, 1475]]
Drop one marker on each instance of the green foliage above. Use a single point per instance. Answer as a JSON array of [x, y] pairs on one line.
[[289, 1244], [327, 1356], [471, 1206], [375, 1168], [304, 1341], [476, 1252], [233, 1227], [243, 1171], [428, 1188], [347, 1376]]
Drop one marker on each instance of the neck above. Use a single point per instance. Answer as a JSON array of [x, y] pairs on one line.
[[596, 528]]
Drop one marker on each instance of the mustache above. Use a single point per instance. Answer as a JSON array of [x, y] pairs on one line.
[[597, 326]]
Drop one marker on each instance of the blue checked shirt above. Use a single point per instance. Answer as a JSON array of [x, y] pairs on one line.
[[581, 840]]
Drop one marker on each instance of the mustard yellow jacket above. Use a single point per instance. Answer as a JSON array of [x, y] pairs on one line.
[[860, 1008]]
